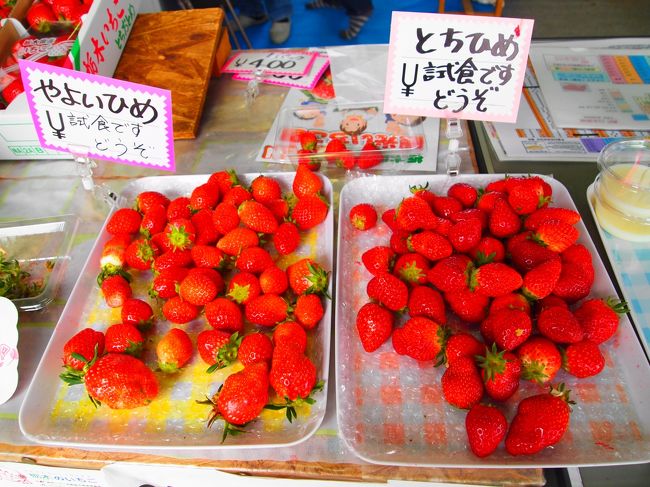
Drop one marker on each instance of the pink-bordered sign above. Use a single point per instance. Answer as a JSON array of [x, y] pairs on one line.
[[303, 82], [271, 62], [100, 117], [456, 66]]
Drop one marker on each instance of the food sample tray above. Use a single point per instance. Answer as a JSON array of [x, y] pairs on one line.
[[390, 408], [57, 414], [630, 261]]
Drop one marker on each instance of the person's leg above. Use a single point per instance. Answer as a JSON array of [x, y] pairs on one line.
[[280, 12], [359, 12], [315, 4], [251, 12]]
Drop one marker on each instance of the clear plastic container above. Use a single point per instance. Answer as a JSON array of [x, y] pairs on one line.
[[622, 189], [396, 138], [42, 248]]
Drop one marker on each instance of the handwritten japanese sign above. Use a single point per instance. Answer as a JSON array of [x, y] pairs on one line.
[[103, 36], [456, 66], [303, 82], [271, 62], [109, 119]]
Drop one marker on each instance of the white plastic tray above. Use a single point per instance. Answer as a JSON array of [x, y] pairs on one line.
[[390, 409], [630, 261], [56, 414]]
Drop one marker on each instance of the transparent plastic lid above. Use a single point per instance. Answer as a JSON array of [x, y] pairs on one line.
[[33, 257]]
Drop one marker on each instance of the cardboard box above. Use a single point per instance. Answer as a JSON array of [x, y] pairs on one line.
[[97, 50]]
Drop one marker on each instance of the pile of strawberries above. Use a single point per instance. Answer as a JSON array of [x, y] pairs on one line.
[[336, 152], [510, 269], [211, 255]]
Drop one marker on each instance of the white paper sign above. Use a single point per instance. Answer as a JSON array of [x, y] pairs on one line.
[[456, 66], [21, 475], [270, 62], [110, 119], [8, 349], [304, 82]]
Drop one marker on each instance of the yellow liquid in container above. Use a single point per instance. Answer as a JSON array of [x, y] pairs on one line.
[[626, 187]]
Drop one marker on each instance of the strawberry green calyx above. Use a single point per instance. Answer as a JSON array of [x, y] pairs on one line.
[[109, 271], [493, 362], [319, 279], [227, 354], [412, 273], [179, 238], [228, 428], [618, 306], [290, 406], [563, 393], [239, 293], [72, 376]]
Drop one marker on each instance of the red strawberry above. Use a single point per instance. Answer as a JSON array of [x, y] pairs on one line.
[[540, 359], [124, 220], [510, 301], [12, 90], [464, 193], [237, 195], [583, 359], [124, 338], [426, 301], [225, 217], [486, 426], [551, 215], [471, 214], [140, 254], [465, 235], [179, 311], [83, 345], [462, 386], [445, 206], [306, 182], [599, 317], [153, 221], [224, 314], [488, 249], [266, 310], [243, 287], [197, 289], [423, 191], [254, 259], [309, 310], [292, 375], [40, 17], [204, 196], [574, 283], [541, 421], [309, 211], [374, 326], [116, 290], [286, 238], [540, 281], [206, 230], [147, 200], [363, 216], [274, 280], [526, 196], [309, 159], [370, 156], [487, 200], [378, 259], [503, 221], [501, 372], [462, 345], [495, 279], [114, 253], [243, 396], [307, 276], [121, 382], [290, 334], [399, 242], [332, 150], [137, 312], [180, 233], [255, 347], [556, 236], [179, 208], [212, 274], [308, 140], [420, 338], [224, 180], [468, 305], [257, 217], [172, 258], [559, 325], [412, 268], [580, 256], [413, 214], [164, 284], [508, 328], [431, 245], [218, 348], [451, 273], [265, 189], [388, 290], [208, 256], [233, 242], [69, 10], [174, 350], [527, 254], [388, 217]]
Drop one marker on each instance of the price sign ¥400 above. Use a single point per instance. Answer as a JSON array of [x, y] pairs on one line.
[[110, 119], [271, 62]]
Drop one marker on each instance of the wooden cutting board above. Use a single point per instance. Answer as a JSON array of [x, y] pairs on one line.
[[175, 50]]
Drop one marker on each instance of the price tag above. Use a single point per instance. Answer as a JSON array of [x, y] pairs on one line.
[[113, 120], [303, 82], [456, 66], [271, 62]]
